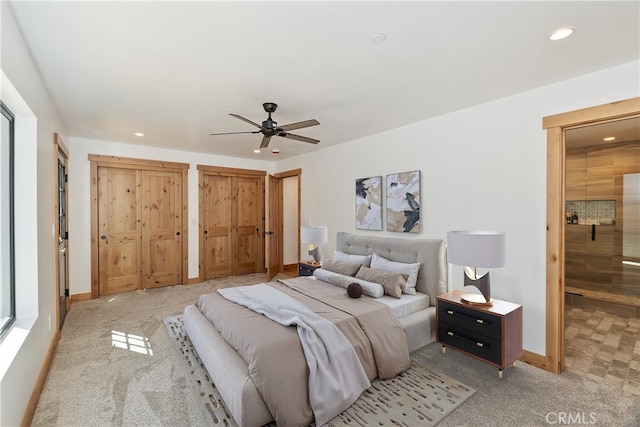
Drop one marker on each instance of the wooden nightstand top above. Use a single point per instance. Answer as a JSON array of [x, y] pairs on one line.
[[498, 307], [310, 263]]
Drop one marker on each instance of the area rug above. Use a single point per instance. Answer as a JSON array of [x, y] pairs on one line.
[[418, 396]]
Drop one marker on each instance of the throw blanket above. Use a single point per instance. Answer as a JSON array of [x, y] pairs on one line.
[[336, 376], [274, 354]]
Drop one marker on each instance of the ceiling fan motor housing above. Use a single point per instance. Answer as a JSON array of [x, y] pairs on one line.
[[269, 107]]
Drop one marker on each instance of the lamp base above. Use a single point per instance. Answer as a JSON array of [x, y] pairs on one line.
[[315, 253], [476, 299]]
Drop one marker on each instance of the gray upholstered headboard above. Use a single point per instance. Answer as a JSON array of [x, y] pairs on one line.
[[431, 253]]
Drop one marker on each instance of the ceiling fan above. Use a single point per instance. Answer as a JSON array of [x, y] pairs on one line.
[[270, 128]]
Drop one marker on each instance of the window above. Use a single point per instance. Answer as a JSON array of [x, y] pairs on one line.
[[7, 275]]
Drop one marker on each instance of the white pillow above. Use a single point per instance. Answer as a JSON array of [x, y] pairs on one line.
[[411, 270], [352, 259]]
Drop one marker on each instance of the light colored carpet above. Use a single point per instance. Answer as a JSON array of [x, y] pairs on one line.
[[418, 396], [116, 366]]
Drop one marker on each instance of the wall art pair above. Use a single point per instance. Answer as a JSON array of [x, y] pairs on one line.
[[403, 202]]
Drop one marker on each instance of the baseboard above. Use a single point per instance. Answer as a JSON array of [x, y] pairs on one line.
[[37, 388], [80, 297], [537, 360], [194, 280], [288, 268]]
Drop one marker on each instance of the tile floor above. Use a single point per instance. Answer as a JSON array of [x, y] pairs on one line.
[[602, 342]]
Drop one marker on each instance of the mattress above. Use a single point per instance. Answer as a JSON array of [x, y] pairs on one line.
[[407, 304]]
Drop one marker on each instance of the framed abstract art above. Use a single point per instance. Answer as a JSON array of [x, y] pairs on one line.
[[403, 202], [369, 203]]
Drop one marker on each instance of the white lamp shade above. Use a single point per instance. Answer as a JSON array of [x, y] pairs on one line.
[[314, 235], [484, 249]]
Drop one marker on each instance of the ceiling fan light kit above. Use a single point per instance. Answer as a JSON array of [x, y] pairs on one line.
[[270, 128]]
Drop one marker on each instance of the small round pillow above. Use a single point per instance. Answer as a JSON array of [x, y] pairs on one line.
[[354, 290]]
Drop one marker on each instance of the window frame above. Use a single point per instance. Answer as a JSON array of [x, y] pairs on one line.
[[6, 324]]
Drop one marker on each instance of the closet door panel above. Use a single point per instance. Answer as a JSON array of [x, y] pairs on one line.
[[119, 242], [247, 212], [161, 228], [216, 199]]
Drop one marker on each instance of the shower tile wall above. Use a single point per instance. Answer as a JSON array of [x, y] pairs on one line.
[[599, 212], [594, 190]]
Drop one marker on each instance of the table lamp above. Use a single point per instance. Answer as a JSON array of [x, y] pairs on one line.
[[314, 235], [485, 249]]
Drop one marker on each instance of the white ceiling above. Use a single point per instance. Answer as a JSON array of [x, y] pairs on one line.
[[175, 70]]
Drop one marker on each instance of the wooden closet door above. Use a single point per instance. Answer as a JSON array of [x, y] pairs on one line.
[[119, 225], [216, 225], [161, 228], [247, 233]]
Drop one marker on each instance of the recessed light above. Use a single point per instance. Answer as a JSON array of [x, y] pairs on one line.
[[256, 151], [561, 33], [378, 38], [609, 138], [139, 134]]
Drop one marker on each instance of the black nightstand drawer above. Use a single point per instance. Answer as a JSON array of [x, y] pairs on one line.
[[483, 347], [305, 269], [473, 321]]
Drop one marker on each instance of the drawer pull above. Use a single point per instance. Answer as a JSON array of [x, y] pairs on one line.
[[469, 340], [472, 318]]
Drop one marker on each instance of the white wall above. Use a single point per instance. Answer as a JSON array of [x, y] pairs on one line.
[[24, 349], [79, 197], [481, 168]]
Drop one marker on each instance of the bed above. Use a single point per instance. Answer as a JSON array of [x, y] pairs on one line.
[[415, 313]]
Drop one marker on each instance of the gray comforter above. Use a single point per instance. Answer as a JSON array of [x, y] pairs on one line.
[[274, 354]]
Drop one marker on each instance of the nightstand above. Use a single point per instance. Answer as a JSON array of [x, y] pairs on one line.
[[490, 333], [306, 268]]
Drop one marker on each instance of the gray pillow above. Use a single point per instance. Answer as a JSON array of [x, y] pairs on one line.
[[391, 282], [343, 268]]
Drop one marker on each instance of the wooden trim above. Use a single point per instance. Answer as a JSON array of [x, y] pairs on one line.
[[288, 268], [39, 385], [288, 174], [97, 160], [219, 170], [535, 359], [556, 125], [131, 163], [193, 281], [592, 114], [200, 226], [185, 226], [86, 296], [95, 292]]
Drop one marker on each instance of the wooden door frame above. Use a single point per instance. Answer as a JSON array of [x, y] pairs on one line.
[[59, 148], [96, 161], [556, 126], [289, 174], [223, 171], [274, 220]]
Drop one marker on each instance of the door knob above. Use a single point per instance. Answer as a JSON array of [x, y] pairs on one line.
[[103, 237], [177, 233], [206, 232]]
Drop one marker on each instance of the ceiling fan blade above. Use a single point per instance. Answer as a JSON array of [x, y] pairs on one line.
[[265, 141], [233, 133], [300, 138], [244, 120], [300, 125]]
